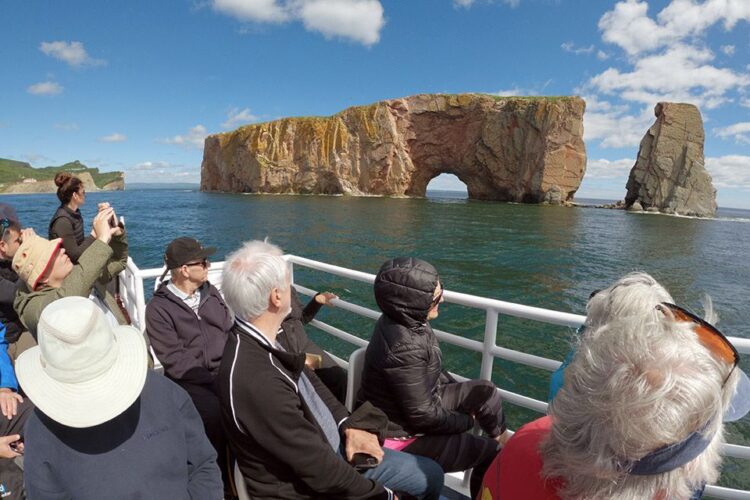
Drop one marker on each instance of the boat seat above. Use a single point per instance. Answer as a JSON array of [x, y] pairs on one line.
[[354, 376]]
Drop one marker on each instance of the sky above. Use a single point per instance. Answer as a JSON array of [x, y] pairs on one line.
[[137, 85]]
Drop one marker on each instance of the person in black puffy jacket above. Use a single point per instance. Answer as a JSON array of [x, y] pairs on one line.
[[404, 376]]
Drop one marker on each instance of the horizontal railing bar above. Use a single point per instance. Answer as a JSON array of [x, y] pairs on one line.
[[736, 451], [352, 339], [450, 338], [726, 493]]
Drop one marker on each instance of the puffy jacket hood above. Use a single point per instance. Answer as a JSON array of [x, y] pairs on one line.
[[404, 289]]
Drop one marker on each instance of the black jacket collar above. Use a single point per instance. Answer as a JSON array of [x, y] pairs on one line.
[[292, 362]]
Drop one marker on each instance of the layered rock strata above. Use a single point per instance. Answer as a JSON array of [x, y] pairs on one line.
[[506, 149], [669, 175]]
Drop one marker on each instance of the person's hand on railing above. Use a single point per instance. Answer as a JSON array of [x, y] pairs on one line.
[[325, 298]]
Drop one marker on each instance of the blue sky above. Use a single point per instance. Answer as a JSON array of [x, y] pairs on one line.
[[137, 85]]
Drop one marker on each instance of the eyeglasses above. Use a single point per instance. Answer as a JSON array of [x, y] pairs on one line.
[[709, 335], [203, 263]]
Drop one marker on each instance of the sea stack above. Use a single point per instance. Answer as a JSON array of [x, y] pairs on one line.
[[669, 175], [521, 149]]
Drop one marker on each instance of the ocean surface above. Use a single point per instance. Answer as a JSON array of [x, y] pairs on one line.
[[544, 256]]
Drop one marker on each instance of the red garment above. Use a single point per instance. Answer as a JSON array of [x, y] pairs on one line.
[[516, 471]]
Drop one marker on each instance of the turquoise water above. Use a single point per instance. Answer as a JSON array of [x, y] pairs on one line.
[[544, 256]]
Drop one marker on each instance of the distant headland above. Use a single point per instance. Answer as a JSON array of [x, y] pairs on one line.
[[20, 177]]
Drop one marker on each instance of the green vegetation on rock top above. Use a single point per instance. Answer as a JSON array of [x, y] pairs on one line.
[[12, 171]]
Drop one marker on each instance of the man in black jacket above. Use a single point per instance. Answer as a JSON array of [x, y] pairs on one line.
[[187, 323], [291, 437], [404, 376], [11, 236]]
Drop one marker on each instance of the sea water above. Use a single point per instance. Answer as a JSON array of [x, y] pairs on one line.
[[543, 256]]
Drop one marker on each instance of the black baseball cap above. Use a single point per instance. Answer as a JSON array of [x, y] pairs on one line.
[[183, 250]]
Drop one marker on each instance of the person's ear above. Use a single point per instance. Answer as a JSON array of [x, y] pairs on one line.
[[275, 298]]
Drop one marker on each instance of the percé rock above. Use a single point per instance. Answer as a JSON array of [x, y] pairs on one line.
[[522, 149], [670, 175]]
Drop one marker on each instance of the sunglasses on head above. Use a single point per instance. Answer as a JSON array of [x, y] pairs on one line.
[[203, 263], [709, 335]]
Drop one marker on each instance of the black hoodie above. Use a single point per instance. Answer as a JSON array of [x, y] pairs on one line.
[[403, 364]]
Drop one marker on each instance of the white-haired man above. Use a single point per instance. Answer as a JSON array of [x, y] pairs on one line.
[[640, 413], [291, 437]]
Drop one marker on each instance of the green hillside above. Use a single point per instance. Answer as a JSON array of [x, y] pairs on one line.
[[12, 171]]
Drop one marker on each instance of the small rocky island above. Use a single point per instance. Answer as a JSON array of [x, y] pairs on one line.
[[520, 149], [20, 177], [669, 175]]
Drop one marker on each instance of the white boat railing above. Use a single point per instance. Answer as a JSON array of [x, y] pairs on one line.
[[132, 292]]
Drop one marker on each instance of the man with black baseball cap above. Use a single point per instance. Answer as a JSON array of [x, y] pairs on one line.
[[187, 323]]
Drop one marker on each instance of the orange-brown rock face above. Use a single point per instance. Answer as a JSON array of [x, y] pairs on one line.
[[506, 149]]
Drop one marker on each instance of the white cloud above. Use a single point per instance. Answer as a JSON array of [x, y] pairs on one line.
[[745, 102], [613, 124], [114, 137], [193, 139], [358, 20], [73, 53], [740, 132], [261, 11], [732, 171], [237, 117], [468, 3], [45, 88], [680, 73], [162, 171], [601, 55], [67, 127], [728, 49], [629, 26], [609, 169], [515, 91], [570, 47]]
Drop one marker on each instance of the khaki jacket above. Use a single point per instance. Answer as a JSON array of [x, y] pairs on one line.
[[97, 266]]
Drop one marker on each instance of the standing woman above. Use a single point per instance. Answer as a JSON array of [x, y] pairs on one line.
[[67, 223]]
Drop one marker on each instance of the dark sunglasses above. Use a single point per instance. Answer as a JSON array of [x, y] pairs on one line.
[[203, 263], [709, 335]]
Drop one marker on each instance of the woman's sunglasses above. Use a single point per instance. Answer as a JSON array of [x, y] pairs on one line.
[[709, 335]]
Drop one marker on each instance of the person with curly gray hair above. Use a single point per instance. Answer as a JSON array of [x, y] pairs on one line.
[[640, 413]]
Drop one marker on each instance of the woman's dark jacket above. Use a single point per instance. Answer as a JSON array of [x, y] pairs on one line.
[[68, 225], [403, 364]]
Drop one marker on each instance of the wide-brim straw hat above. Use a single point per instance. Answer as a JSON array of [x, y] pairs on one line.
[[83, 372], [34, 258]]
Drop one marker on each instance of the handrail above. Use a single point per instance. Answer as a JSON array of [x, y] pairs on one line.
[[132, 290]]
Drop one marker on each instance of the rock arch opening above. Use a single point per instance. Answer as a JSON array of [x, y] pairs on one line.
[[446, 184]]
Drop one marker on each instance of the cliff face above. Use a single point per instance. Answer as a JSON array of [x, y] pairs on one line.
[[669, 174], [507, 149]]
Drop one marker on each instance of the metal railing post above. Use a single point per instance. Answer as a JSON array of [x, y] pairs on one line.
[[490, 339]]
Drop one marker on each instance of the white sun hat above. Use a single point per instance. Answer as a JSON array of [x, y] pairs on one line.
[[83, 372]]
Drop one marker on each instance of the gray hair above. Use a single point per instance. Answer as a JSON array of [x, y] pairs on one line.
[[249, 276], [639, 380]]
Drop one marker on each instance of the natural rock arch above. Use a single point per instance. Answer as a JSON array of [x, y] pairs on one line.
[[505, 149]]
